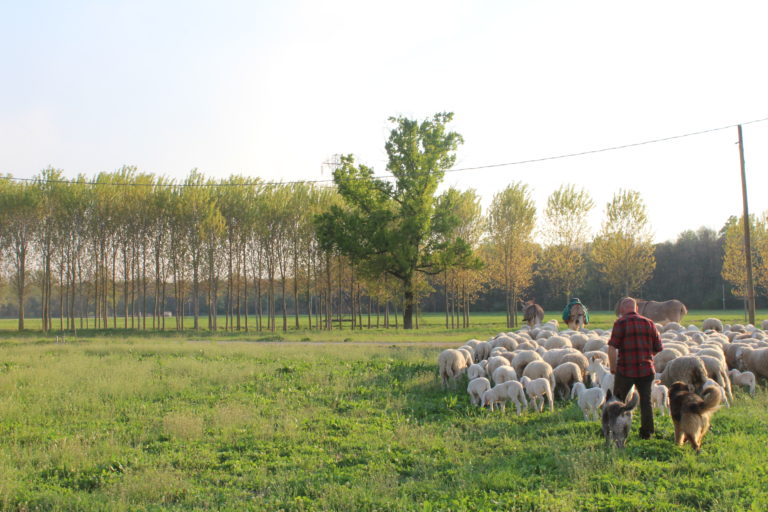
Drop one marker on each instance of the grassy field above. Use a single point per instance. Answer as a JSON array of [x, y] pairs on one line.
[[431, 329], [115, 424]]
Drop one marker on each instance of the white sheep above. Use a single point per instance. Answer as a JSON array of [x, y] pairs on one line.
[[482, 350], [754, 360], [712, 323], [579, 359], [578, 340], [554, 342], [660, 396], [594, 344], [555, 356], [538, 388], [494, 362], [688, 369], [475, 371], [566, 374], [450, 363], [600, 375], [589, 399], [503, 374], [717, 370], [523, 358], [504, 392], [505, 341], [540, 369], [661, 359], [743, 379], [476, 388], [468, 361]]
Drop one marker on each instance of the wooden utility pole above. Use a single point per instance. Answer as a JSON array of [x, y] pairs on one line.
[[747, 242]]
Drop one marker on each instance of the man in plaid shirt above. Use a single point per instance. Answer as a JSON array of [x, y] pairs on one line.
[[634, 341]]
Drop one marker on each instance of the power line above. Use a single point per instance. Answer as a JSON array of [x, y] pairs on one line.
[[389, 176]]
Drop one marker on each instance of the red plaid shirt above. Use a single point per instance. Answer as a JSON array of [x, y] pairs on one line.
[[637, 340]]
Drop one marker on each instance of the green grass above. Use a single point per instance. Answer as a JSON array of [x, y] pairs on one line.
[[431, 329], [181, 425]]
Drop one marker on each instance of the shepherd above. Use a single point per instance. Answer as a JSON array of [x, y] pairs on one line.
[[575, 314]]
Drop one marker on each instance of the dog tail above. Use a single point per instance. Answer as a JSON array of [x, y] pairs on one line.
[[634, 399], [711, 400]]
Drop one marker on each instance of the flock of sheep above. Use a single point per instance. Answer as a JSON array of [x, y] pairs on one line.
[[533, 365]]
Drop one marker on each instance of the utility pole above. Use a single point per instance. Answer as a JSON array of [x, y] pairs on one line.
[[747, 243]]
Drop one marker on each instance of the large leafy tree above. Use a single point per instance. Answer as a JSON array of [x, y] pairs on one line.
[[386, 227], [623, 250], [734, 258]]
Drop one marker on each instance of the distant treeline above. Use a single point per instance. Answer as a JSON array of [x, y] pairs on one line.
[[130, 249]]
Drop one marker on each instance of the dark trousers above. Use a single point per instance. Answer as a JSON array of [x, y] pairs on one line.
[[621, 385]]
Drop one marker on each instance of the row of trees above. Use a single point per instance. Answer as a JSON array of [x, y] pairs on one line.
[[124, 249]]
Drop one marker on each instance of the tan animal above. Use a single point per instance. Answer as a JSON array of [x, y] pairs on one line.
[[661, 312], [691, 412], [578, 316], [533, 314]]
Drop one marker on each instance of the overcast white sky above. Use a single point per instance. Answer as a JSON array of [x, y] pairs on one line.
[[273, 89]]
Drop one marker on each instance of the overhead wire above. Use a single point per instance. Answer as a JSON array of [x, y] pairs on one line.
[[389, 176]]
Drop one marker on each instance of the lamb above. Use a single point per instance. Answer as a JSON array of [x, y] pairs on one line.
[[538, 388], [523, 358], [579, 359], [502, 393], [596, 354], [450, 363], [503, 374], [712, 323], [660, 396], [554, 342], [494, 362], [689, 369], [661, 359], [754, 360], [711, 383], [476, 388], [540, 369], [475, 371], [589, 399], [578, 340], [482, 350], [743, 379], [566, 374], [601, 376], [467, 357], [718, 371], [554, 357]]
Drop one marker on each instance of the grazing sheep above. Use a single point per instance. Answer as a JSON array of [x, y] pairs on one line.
[[554, 342], [743, 379], [538, 388], [527, 345], [502, 393], [475, 371], [566, 374], [467, 357], [712, 323], [597, 354], [523, 358], [689, 369], [754, 360], [589, 399], [680, 347], [450, 363], [482, 350], [660, 396], [555, 356], [505, 341], [494, 362], [473, 343], [540, 370], [476, 388], [580, 359], [594, 344], [503, 374], [712, 384], [661, 359], [672, 326], [578, 340], [718, 371]]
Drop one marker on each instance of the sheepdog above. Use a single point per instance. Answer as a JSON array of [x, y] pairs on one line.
[[617, 417], [691, 412]]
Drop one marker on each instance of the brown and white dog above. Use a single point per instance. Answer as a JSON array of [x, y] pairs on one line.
[[691, 412]]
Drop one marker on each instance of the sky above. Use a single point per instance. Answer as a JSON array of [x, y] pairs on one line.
[[275, 89]]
